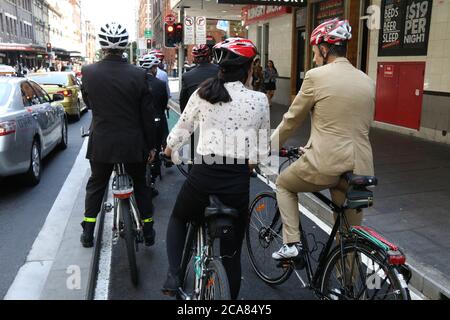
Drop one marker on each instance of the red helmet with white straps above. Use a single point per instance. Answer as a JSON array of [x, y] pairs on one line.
[[333, 32], [201, 50], [234, 52], [158, 53]]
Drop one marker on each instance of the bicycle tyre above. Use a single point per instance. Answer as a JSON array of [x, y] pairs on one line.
[[263, 239], [216, 285], [130, 239], [184, 169], [399, 289]]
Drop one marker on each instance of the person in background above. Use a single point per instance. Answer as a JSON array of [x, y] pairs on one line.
[[257, 75], [162, 74], [270, 80]]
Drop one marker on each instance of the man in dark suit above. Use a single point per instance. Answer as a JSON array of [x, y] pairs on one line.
[[192, 79], [122, 129]]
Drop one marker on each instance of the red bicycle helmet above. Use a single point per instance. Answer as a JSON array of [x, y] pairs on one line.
[[158, 53], [333, 32], [201, 50], [234, 52]]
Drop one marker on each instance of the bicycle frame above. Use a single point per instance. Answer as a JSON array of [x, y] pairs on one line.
[[123, 190], [204, 246], [341, 222]]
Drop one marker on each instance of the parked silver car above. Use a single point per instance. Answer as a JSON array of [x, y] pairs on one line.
[[31, 126]]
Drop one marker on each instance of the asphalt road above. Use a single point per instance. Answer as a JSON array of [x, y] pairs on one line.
[[153, 261], [23, 210]]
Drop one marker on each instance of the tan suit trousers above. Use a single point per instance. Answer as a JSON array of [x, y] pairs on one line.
[[290, 184]]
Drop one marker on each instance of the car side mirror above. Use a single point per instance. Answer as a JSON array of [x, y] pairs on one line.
[[58, 97]]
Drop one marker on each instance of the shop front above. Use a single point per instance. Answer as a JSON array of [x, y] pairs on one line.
[[27, 55], [411, 64]]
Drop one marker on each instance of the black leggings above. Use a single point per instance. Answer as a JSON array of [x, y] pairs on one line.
[[190, 206]]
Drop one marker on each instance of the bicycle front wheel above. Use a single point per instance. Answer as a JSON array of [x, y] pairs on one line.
[[263, 237], [130, 238], [367, 275], [216, 285]]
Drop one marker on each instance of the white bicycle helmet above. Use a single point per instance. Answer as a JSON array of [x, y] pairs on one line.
[[113, 36], [148, 61]]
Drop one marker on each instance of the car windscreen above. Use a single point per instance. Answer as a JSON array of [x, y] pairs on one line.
[[5, 92], [60, 79]]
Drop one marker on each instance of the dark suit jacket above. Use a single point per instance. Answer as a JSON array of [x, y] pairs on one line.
[[122, 129], [159, 93], [191, 80], [160, 100]]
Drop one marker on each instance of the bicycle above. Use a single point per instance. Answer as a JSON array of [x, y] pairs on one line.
[[127, 223], [203, 274], [292, 155], [363, 265]]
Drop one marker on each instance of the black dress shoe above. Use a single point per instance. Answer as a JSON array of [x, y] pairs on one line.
[[171, 285], [87, 237], [149, 235]]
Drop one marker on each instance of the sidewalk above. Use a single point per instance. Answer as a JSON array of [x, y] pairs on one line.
[[412, 201]]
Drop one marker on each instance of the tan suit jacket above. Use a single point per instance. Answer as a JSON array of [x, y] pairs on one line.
[[341, 100]]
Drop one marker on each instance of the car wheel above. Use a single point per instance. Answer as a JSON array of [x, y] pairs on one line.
[[64, 136], [33, 176], [77, 117]]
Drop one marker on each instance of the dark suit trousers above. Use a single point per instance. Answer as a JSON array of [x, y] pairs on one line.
[[99, 180]]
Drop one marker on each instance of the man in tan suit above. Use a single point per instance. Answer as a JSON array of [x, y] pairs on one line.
[[341, 101]]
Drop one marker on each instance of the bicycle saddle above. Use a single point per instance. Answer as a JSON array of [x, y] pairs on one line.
[[360, 181], [217, 208]]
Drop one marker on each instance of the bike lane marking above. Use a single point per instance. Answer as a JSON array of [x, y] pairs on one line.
[[31, 278]]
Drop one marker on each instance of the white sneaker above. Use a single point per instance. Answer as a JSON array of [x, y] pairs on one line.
[[288, 252]]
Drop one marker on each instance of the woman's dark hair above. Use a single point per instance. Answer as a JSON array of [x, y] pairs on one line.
[[273, 65], [213, 90]]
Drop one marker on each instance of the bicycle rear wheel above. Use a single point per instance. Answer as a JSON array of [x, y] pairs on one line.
[[216, 285], [130, 239], [263, 237], [368, 276]]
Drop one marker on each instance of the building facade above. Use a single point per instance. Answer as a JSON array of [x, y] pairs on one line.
[[17, 36], [90, 42], [409, 58], [41, 25]]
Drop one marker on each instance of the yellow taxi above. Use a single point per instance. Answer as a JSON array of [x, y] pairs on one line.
[[64, 83]]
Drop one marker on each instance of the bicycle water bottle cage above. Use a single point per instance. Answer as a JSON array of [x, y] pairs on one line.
[[122, 187], [219, 218], [394, 255]]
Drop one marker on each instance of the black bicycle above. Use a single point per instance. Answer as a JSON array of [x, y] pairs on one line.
[[127, 222], [203, 274], [363, 265]]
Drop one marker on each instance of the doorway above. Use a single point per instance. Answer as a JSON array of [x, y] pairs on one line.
[[301, 38]]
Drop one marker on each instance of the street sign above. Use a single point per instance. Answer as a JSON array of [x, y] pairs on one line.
[[189, 30], [170, 19], [148, 34], [200, 32]]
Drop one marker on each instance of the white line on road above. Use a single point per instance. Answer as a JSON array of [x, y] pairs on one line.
[[104, 265], [31, 278]]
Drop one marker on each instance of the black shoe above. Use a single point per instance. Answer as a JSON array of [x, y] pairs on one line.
[[149, 234], [172, 284], [87, 237]]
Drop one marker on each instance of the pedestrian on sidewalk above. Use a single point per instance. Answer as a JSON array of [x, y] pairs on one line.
[[257, 75], [341, 101], [217, 110], [122, 129], [270, 80]]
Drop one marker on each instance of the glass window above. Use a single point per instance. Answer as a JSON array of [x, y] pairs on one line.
[[41, 94], [54, 78], [29, 97]]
